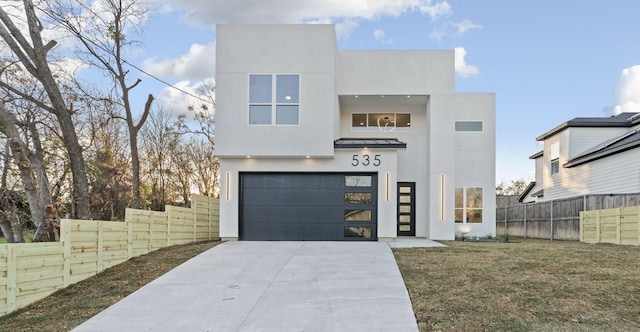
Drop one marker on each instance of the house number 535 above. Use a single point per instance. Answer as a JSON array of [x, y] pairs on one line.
[[365, 160]]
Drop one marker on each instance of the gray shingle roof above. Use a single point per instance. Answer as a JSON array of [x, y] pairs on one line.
[[620, 120]]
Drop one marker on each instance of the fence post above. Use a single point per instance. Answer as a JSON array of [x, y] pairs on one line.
[[525, 221], [100, 246], [65, 238], [551, 224], [618, 212], [127, 219], [505, 221], [598, 226], [12, 278]]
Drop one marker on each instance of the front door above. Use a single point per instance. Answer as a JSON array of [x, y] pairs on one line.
[[406, 209]]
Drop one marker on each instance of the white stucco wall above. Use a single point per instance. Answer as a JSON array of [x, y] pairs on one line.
[[308, 50], [436, 158], [232, 167]]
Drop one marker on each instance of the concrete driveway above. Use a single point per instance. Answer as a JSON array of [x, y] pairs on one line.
[[271, 286]]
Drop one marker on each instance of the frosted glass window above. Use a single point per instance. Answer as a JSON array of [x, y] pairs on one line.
[[468, 125]]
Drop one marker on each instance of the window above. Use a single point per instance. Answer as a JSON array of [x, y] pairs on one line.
[[278, 106], [468, 125], [380, 121], [357, 181], [555, 166], [468, 205]]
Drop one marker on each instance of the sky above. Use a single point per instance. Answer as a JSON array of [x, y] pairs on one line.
[[546, 61]]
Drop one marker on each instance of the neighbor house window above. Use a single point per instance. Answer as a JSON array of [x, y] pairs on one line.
[[555, 166], [274, 99], [380, 121], [468, 125], [468, 205]]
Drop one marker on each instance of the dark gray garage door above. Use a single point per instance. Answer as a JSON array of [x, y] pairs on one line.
[[308, 206]]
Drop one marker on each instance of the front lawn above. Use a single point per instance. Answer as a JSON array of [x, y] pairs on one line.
[[532, 285]]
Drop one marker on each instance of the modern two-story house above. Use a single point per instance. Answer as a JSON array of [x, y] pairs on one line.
[[317, 143], [587, 156]]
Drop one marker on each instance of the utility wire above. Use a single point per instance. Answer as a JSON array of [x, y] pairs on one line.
[[166, 83]]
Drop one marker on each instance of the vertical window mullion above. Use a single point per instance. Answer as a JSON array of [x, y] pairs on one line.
[[274, 103]]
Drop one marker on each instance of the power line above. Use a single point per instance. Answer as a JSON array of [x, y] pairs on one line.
[[166, 83]]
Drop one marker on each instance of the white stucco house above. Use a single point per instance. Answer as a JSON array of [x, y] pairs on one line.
[[587, 156], [317, 143]]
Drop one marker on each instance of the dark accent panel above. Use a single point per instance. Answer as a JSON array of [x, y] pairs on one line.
[[297, 206]]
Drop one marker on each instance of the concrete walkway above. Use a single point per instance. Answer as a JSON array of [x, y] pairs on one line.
[[271, 286]]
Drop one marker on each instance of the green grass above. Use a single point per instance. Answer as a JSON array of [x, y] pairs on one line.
[[531, 285], [527, 285], [69, 307]]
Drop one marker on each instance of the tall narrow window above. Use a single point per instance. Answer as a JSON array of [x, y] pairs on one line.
[[280, 106], [468, 205]]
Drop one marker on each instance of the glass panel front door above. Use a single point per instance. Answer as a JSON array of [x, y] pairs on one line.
[[406, 208]]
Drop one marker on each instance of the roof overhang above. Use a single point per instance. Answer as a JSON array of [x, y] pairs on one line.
[[369, 143]]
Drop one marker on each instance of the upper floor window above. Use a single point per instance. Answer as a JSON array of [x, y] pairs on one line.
[[274, 99], [468, 125], [468, 205], [380, 121], [555, 166]]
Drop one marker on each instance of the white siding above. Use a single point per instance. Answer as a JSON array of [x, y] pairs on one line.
[[583, 139], [616, 174], [553, 183]]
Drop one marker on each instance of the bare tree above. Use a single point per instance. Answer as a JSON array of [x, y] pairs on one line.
[[35, 186], [102, 28], [205, 164], [515, 187], [32, 54]]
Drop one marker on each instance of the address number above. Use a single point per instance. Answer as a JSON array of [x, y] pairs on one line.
[[365, 160]]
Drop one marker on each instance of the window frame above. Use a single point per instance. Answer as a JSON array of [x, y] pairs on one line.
[[367, 127], [554, 165], [274, 103], [465, 209]]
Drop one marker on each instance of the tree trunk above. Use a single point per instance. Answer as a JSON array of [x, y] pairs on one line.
[[33, 56], [133, 141], [20, 153], [10, 225]]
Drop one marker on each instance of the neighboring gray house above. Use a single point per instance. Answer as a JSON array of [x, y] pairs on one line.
[[587, 156], [317, 143]]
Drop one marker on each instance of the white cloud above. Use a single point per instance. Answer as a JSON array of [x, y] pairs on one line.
[[440, 9], [181, 96], [464, 26], [210, 12], [379, 34], [627, 92], [461, 66], [453, 29], [198, 63]]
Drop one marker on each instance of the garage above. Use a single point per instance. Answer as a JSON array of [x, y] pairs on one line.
[[308, 206]]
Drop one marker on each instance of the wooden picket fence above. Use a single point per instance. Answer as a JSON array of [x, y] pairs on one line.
[[617, 226], [32, 271]]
